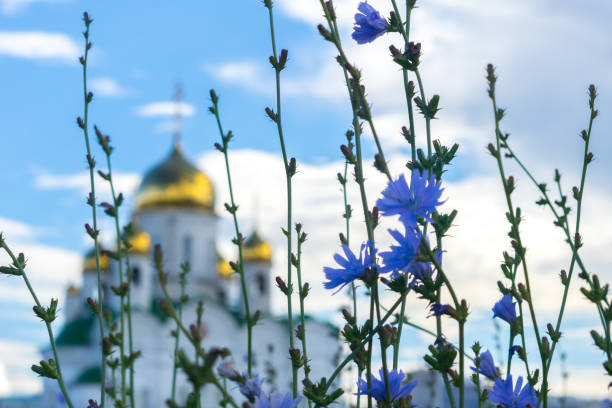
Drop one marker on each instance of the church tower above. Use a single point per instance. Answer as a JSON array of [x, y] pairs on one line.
[[257, 257], [175, 206]]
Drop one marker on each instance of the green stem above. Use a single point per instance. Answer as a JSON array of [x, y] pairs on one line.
[[302, 314], [130, 333], [225, 139], [512, 214], [573, 261], [177, 336], [198, 348], [122, 359], [288, 176], [357, 349], [92, 202], [383, 351], [461, 364], [60, 377]]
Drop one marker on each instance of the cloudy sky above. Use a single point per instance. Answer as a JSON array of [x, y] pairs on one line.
[[546, 53]]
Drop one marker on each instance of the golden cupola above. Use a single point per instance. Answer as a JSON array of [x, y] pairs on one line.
[[175, 183], [140, 241], [89, 264], [256, 249]]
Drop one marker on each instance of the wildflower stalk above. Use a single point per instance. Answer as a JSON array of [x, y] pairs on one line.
[[171, 312], [447, 385], [368, 338], [132, 354], [113, 211], [404, 29], [303, 292], [232, 208], [409, 94], [568, 236], [355, 91], [279, 65], [347, 217], [512, 215], [19, 264], [360, 108], [183, 282], [83, 124], [579, 197]]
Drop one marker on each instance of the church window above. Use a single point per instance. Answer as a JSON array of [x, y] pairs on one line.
[[221, 297], [187, 244], [136, 275], [261, 283]]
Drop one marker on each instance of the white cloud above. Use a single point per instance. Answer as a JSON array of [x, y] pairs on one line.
[[13, 6], [247, 73], [125, 183], [38, 45], [165, 109], [106, 86]]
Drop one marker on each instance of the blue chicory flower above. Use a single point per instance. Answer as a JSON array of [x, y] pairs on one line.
[[251, 388], [400, 259], [228, 370], [505, 309], [487, 366], [277, 400], [351, 268], [515, 349], [420, 199], [369, 25], [503, 393], [438, 310], [378, 390]]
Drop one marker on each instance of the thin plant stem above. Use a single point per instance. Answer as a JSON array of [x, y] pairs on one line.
[[383, 351], [92, 202], [199, 352], [519, 244], [585, 163], [357, 349], [288, 175], [301, 296], [130, 332], [232, 208], [177, 333], [122, 359], [60, 377]]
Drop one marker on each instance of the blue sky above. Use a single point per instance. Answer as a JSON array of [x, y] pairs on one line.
[[547, 53]]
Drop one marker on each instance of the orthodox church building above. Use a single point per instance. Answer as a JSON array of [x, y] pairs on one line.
[[174, 207]]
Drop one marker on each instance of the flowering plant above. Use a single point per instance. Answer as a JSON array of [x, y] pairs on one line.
[[412, 266]]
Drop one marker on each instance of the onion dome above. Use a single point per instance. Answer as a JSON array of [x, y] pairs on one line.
[[256, 249], [89, 265], [140, 243], [223, 267], [175, 183]]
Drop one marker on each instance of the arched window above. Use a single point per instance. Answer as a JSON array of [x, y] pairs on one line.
[[187, 245], [136, 275], [261, 283], [221, 297]]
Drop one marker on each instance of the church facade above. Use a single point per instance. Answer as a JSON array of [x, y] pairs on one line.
[[174, 207]]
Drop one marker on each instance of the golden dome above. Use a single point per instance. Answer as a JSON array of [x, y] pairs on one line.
[[73, 290], [89, 265], [175, 183], [140, 243], [223, 267], [256, 249]]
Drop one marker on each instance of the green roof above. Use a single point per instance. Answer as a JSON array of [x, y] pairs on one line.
[[76, 332], [91, 375]]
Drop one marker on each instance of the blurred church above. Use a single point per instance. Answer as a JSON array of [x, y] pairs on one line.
[[174, 207]]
